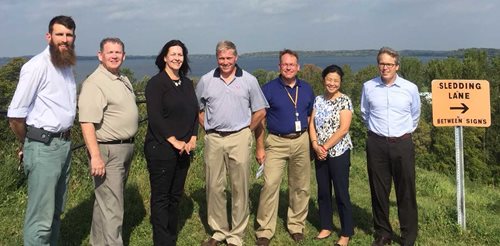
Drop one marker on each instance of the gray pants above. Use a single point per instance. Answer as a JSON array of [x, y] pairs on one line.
[[107, 218]]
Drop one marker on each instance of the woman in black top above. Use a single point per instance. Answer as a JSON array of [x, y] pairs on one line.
[[171, 137]]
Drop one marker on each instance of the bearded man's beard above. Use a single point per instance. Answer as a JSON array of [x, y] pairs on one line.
[[63, 58]]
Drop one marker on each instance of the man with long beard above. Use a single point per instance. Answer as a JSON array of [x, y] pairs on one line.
[[41, 114]]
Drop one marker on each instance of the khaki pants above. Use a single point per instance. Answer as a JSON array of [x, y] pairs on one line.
[[228, 155], [107, 218], [279, 152]]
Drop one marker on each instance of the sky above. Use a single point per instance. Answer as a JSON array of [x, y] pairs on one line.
[[255, 25]]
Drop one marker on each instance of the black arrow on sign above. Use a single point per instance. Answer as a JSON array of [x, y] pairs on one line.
[[464, 108]]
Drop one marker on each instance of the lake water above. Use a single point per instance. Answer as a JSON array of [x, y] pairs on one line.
[[201, 64]]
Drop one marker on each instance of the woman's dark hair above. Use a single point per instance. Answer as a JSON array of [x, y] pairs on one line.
[[332, 69], [160, 62]]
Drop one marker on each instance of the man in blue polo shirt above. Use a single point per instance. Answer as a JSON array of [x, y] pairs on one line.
[[287, 145]]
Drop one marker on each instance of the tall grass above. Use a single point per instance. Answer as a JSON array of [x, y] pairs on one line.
[[435, 195]]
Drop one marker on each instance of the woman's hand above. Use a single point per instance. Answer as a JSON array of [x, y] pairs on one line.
[[179, 145], [320, 151], [190, 146]]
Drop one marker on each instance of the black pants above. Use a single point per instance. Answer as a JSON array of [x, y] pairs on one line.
[[393, 161], [335, 171], [167, 178]]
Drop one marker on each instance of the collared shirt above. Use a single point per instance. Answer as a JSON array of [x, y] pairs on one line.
[[45, 95], [390, 111], [229, 107], [327, 122], [108, 101], [280, 115]]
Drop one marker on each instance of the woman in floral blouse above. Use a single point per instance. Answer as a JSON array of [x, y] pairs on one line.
[[329, 132]]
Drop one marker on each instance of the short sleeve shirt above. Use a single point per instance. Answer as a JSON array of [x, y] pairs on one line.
[[108, 101], [282, 114], [45, 95], [327, 122], [229, 107]]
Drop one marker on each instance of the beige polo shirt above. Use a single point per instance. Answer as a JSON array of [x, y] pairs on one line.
[[108, 101]]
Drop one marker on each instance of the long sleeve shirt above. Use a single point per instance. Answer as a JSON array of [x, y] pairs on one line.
[[390, 110]]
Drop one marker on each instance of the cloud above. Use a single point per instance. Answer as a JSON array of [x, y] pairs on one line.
[[256, 25], [275, 6], [327, 19]]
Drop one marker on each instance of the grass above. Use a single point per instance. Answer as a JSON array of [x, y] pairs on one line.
[[435, 196]]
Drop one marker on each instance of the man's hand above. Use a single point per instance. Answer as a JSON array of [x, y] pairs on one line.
[[19, 151], [260, 155], [97, 167], [20, 156]]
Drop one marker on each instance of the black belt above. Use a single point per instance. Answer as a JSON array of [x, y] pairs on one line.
[[223, 133], [44, 136], [390, 139], [292, 135], [125, 141]]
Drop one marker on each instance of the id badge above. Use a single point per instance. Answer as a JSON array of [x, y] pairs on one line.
[[298, 128]]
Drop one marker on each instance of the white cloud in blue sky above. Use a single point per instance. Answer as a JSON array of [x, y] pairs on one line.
[[256, 25]]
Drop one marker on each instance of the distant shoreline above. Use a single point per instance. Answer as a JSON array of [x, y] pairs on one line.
[[347, 53]]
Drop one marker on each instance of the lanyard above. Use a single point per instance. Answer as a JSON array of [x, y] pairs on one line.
[[294, 101]]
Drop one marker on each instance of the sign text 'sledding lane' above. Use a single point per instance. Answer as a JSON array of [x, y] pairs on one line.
[[461, 103]]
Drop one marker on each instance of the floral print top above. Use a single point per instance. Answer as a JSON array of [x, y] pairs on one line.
[[327, 122]]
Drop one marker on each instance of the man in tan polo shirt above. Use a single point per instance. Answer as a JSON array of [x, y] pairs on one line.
[[109, 119]]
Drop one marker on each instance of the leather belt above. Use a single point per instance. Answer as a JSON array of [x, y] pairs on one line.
[[42, 135], [63, 135], [223, 133], [292, 135], [125, 141], [390, 139]]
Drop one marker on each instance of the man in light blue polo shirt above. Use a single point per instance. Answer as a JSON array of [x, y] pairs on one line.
[[41, 114], [231, 106]]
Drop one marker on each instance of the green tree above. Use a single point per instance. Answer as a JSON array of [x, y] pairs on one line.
[[129, 73], [9, 76], [475, 64], [312, 74], [412, 69], [10, 177], [353, 85], [450, 68], [264, 76], [491, 143]]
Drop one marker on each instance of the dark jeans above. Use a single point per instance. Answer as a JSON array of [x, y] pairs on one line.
[[335, 171], [167, 178], [388, 161]]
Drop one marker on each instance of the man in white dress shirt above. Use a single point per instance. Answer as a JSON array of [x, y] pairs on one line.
[[41, 114]]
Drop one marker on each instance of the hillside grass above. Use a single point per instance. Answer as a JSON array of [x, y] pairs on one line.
[[436, 199]]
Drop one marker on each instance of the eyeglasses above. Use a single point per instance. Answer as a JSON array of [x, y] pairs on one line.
[[388, 65]]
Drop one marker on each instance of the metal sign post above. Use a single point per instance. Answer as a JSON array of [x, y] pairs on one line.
[[459, 103], [459, 157]]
